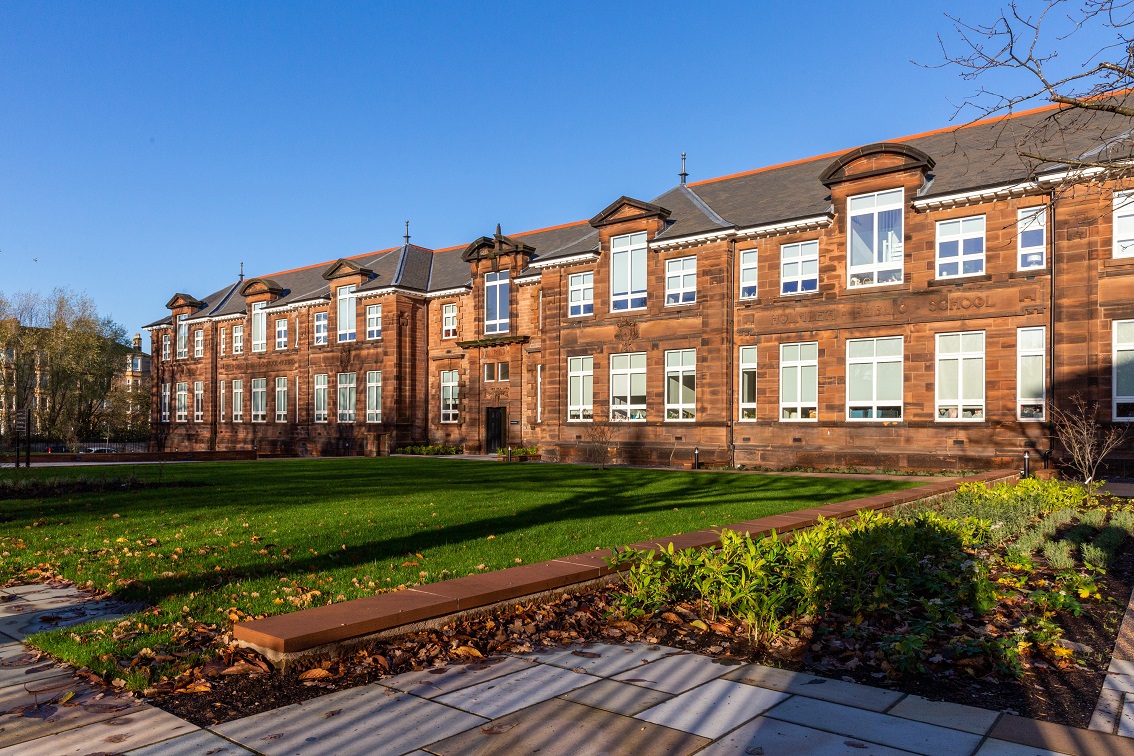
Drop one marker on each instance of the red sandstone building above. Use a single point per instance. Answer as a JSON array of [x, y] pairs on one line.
[[917, 303]]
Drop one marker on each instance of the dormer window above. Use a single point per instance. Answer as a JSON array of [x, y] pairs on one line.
[[628, 272], [259, 327], [875, 251], [182, 337], [496, 302], [346, 313]]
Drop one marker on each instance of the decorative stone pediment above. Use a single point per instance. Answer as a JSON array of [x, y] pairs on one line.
[[876, 160], [258, 287], [184, 300], [628, 209], [344, 268], [494, 246]]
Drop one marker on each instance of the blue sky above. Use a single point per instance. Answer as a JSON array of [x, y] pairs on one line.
[[148, 148]]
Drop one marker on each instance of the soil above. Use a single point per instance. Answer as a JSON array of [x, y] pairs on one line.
[[237, 685]]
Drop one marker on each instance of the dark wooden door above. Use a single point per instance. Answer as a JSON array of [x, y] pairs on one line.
[[495, 424]]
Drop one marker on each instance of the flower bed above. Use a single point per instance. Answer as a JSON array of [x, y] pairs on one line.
[[995, 590], [429, 450]]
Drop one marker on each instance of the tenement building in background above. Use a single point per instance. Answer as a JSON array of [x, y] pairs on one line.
[[918, 303]]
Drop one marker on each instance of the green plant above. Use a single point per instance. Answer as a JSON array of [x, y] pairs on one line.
[[430, 450], [1058, 554], [1123, 519], [1094, 518], [520, 451]]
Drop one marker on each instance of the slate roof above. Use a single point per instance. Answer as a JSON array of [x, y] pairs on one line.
[[968, 157]]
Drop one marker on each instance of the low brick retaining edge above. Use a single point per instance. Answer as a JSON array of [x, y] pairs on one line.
[[288, 636]]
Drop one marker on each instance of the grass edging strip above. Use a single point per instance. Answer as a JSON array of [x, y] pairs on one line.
[[286, 636]]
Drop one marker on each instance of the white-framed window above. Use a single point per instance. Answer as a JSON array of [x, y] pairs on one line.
[[747, 392], [259, 400], [1031, 238], [165, 387], [628, 272], [1031, 373], [320, 384], [874, 378], [539, 393], [749, 273], [628, 386], [259, 327], [346, 315], [1123, 370], [320, 329], [580, 295], [165, 346], [238, 400], [1123, 224], [495, 371], [799, 381], [450, 396], [223, 340], [198, 343], [374, 396], [182, 337], [238, 339], [496, 302], [876, 252], [960, 247], [281, 399], [221, 401], [580, 388], [960, 376], [799, 267], [681, 280], [182, 405], [681, 384], [449, 321], [198, 401], [281, 333], [374, 321], [348, 398]]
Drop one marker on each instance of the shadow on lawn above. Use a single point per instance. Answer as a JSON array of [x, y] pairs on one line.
[[600, 494]]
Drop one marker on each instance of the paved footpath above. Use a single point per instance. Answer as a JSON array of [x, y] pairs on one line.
[[597, 699]]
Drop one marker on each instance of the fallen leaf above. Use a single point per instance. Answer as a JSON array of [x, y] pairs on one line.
[[497, 728], [242, 668], [468, 651], [332, 713], [315, 674], [586, 654]]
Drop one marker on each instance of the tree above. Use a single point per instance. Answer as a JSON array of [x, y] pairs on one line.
[[1086, 440], [1016, 60], [61, 359], [597, 447]]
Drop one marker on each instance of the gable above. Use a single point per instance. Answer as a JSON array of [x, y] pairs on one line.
[[184, 300], [628, 209], [876, 160], [343, 268]]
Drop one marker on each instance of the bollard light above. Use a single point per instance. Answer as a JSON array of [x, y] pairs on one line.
[[1027, 463], [696, 458]]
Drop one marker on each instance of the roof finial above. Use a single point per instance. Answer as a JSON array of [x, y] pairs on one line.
[[683, 174], [241, 270], [407, 233]]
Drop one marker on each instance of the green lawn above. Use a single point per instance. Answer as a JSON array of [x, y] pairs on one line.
[[270, 536]]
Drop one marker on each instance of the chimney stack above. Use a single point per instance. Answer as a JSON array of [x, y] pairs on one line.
[[137, 342]]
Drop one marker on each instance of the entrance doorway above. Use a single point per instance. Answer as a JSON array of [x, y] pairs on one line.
[[495, 428]]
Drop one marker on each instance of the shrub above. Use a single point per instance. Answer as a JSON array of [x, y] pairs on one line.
[[1124, 520], [431, 450], [1058, 554], [520, 451], [1095, 518], [1011, 509]]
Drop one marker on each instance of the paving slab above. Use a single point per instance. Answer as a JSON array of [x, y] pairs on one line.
[[1121, 667], [994, 747], [565, 728], [20, 665], [883, 729], [823, 688], [951, 715], [501, 696], [714, 708], [46, 589], [19, 626], [1125, 683], [363, 721], [1058, 738], [30, 711], [36, 603], [115, 735], [617, 697], [610, 660], [1107, 711], [1126, 719], [194, 744], [438, 681], [675, 674], [772, 737]]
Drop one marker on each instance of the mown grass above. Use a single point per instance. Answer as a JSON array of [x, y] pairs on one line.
[[253, 538]]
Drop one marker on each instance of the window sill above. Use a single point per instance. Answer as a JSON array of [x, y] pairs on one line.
[[801, 420], [1030, 273], [681, 304], [1119, 262], [959, 280], [870, 288], [803, 294], [749, 301]]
